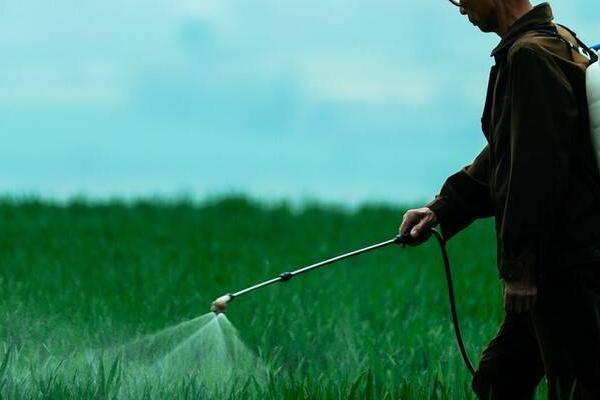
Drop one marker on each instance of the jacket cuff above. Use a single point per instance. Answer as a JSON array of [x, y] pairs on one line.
[[443, 213]]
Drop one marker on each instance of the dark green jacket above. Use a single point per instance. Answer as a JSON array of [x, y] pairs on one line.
[[537, 175]]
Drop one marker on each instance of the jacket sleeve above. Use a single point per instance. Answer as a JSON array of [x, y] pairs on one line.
[[465, 196], [543, 118]]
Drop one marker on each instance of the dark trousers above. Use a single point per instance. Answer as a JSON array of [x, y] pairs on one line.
[[559, 338]]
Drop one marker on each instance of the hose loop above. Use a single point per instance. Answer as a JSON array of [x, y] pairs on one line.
[[455, 322]]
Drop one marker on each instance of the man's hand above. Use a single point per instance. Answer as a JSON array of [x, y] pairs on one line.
[[520, 296], [418, 223]]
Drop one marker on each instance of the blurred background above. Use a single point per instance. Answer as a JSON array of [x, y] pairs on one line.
[[336, 100]]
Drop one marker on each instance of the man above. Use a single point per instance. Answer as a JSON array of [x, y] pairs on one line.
[[538, 177]]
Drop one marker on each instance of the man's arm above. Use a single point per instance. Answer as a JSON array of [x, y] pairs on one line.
[[543, 118], [465, 196]]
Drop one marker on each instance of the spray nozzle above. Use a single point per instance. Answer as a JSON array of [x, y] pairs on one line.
[[219, 305]]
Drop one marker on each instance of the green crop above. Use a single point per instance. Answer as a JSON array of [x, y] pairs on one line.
[[90, 275]]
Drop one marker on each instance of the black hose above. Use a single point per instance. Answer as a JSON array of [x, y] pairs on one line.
[[400, 239], [459, 339]]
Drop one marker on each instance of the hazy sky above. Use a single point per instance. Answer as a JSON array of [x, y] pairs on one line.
[[332, 99]]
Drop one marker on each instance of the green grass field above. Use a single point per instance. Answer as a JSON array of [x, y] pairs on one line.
[[98, 275]]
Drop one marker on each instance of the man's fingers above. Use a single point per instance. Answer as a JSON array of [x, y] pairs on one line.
[[531, 299], [409, 220], [519, 296], [515, 304], [416, 222], [519, 303], [403, 225], [512, 301], [507, 303], [418, 229]]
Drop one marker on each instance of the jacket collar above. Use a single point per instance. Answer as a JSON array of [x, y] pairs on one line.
[[537, 17]]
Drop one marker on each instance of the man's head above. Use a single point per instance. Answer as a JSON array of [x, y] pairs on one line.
[[493, 15], [481, 13]]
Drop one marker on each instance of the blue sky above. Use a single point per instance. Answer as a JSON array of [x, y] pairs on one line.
[[339, 100]]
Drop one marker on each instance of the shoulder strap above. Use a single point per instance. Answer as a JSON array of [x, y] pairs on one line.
[[581, 47]]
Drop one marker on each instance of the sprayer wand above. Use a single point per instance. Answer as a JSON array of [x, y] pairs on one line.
[[220, 304]]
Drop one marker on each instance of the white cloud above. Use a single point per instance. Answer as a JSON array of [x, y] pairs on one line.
[[352, 79]]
